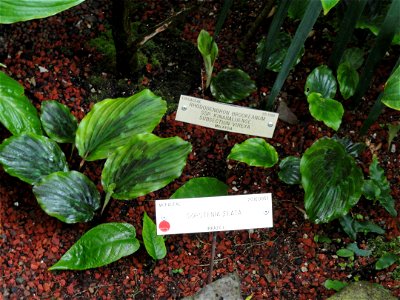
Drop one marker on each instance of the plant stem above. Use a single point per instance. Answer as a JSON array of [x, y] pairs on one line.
[[213, 246]]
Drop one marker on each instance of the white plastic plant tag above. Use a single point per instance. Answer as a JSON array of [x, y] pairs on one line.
[[209, 214], [226, 117]]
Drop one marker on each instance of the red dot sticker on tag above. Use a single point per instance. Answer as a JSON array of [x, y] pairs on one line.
[[164, 226]]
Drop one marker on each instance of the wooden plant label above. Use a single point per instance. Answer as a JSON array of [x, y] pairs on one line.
[[191, 215], [226, 117]]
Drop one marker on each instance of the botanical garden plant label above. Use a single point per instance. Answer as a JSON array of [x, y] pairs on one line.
[[226, 117], [222, 213]]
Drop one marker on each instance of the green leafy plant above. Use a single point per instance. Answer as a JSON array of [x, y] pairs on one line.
[[153, 243], [209, 50], [335, 285]]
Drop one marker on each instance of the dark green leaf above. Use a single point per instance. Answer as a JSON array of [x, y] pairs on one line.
[[30, 157], [112, 122], [391, 93], [326, 110], [352, 227], [354, 57], [348, 80], [322, 239], [99, 246], [279, 51], [393, 130], [153, 243], [68, 196], [12, 11], [58, 123], [335, 285], [354, 149], [386, 260], [231, 85], [344, 253], [321, 80], [297, 8], [17, 113], [255, 152], [290, 170], [201, 187], [357, 251], [209, 50], [327, 5], [371, 190], [331, 180], [146, 164]]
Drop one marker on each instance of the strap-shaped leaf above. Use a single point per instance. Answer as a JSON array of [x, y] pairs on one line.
[[231, 85], [58, 122], [17, 113], [348, 80], [290, 170], [209, 50], [391, 93], [331, 180], [68, 196], [12, 11], [112, 123], [255, 152], [321, 80], [153, 243], [100, 246], [146, 164], [201, 187], [326, 110], [30, 157]]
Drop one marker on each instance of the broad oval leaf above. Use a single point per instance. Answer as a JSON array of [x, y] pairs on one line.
[[99, 246], [279, 51], [354, 57], [17, 113], [201, 187], [321, 80], [209, 50], [290, 170], [112, 123], [386, 260], [327, 5], [391, 93], [146, 164], [231, 85], [153, 243], [255, 152], [345, 252], [58, 122], [348, 80], [331, 180], [68, 196], [30, 157], [12, 11], [357, 251], [335, 285], [326, 110]]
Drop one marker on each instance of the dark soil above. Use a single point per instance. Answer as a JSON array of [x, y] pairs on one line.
[[283, 262]]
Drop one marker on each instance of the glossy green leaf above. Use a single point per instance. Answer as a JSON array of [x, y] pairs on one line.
[[327, 5], [326, 110], [201, 187], [255, 152], [354, 57], [99, 246], [386, 260], [209, 50], [112, 122], [58, 122], [231, 85], [335, 285], [344, 253], [331, 180], [321, 80], [68, 196], [17, 113], [379, 188], [146, 164], [12, 11], [30, 157], [154, 244], [354, 149], [391, 93], [357, 251], [348, 79], [279, 51], [290, 170]]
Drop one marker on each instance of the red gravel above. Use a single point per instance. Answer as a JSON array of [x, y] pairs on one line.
[[283, 262]]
